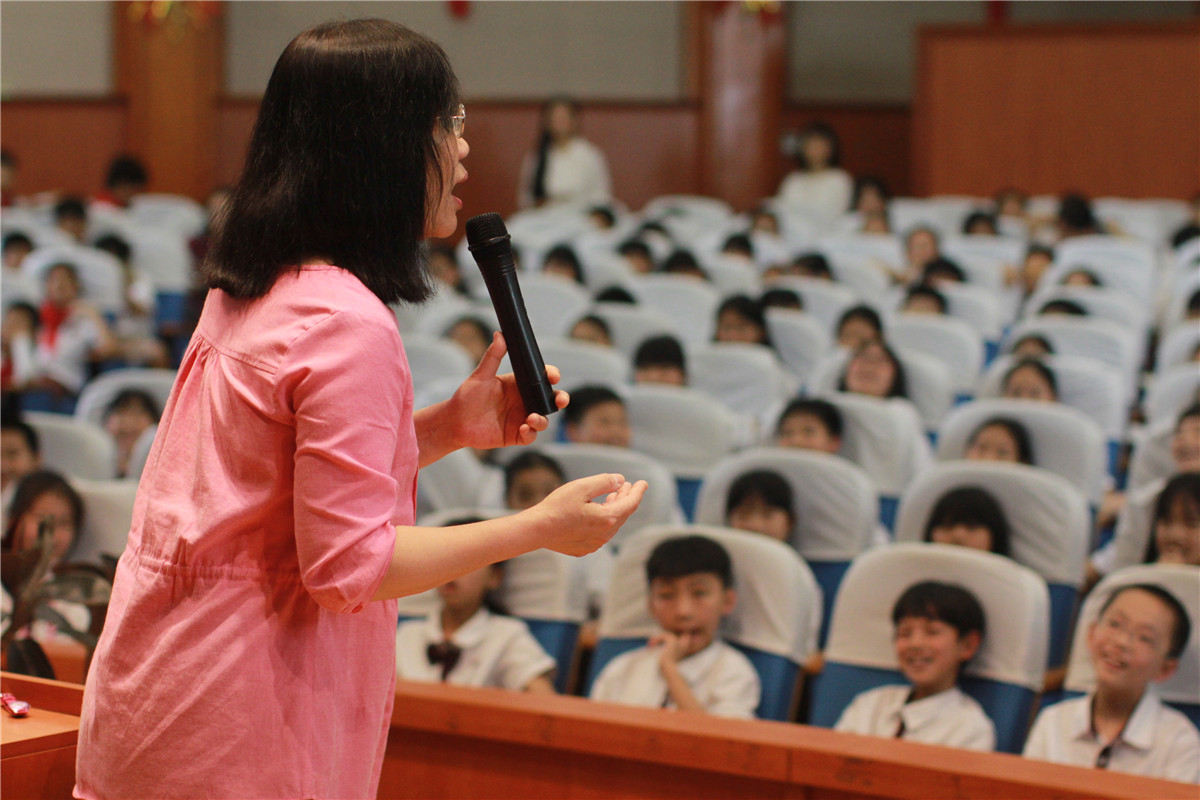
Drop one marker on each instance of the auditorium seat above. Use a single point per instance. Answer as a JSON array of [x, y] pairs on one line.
[[1063, 439], [1170, 391], [689, 304], [1181, 690], [1005, 676], [748, 378], [101, 390], [541, 587], [949, 340], [1151, 458], [107, 518], [74, 447], [774, 623], [584, 363], [553, 303], [835, 504], [800, 338], [1048, 519]]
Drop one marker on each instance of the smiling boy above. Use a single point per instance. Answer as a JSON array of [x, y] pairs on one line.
[[938, 628], [686, 666], [1136, 641]]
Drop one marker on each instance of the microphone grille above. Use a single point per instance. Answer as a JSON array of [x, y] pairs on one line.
[[484, 227]]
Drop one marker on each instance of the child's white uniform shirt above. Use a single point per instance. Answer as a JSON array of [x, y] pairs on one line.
[[1158, 741], [722, 679], [948, 718], [497, 651]]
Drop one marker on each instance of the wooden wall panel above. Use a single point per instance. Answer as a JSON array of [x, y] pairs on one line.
[[64, 144], [1112, 110]]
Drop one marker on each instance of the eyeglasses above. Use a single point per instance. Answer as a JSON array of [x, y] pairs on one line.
[[458, 122]]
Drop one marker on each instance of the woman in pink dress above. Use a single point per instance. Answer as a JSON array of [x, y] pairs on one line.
[[249, 645]]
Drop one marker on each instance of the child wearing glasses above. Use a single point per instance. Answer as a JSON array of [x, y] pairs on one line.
[[1121, 725]]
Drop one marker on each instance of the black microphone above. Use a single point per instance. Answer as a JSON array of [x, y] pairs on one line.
[[491, 246]]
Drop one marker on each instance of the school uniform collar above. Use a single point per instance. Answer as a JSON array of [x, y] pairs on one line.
[[471, 633], [919, 713], [1139, 728]]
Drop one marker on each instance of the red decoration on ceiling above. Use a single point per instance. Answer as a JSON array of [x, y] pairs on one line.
[[459, 9]]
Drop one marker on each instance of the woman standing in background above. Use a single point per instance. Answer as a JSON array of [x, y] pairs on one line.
[[565, 169]]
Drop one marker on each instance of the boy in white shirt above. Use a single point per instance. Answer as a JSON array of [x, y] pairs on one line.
[[1136, 640], [685, 667], [938, 629]]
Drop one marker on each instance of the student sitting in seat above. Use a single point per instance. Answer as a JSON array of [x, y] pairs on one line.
[[592, 329], [685, 667], [760, 501], [938, 629], [875, 371], [660, 359], [740, 319], [857, 326], [470, 640], [1176, 535], [810, 424], [530, 478], [970, 517], [597, 416], [1000, 439], [1030, 379], [1121, 725]]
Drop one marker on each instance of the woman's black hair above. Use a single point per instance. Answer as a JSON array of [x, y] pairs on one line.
[[635, 246], [899, 387], [545, 140], [29, 489], [761, 484], [1061, 306], [971, 505], [343, 162], [530, 459], [566, 254], [1018, 432], [943, 602], [1037, 366], [863, 312], [819, 128], [1183, 487], [610, 217]]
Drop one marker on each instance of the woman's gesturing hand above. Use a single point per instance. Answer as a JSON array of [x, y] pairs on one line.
[[575, 525]]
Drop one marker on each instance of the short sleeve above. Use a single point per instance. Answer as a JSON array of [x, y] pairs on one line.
[[737, 690], [523, 659], [609, 684], [1035, 745], [349, 393]]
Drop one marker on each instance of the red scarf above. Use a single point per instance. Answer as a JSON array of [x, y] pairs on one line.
[[52, 317]]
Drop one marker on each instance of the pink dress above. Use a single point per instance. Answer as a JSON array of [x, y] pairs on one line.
[[242, 656]]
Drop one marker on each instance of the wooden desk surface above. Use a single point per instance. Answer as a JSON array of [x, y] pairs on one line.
[[38, 751], [451, 742]]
